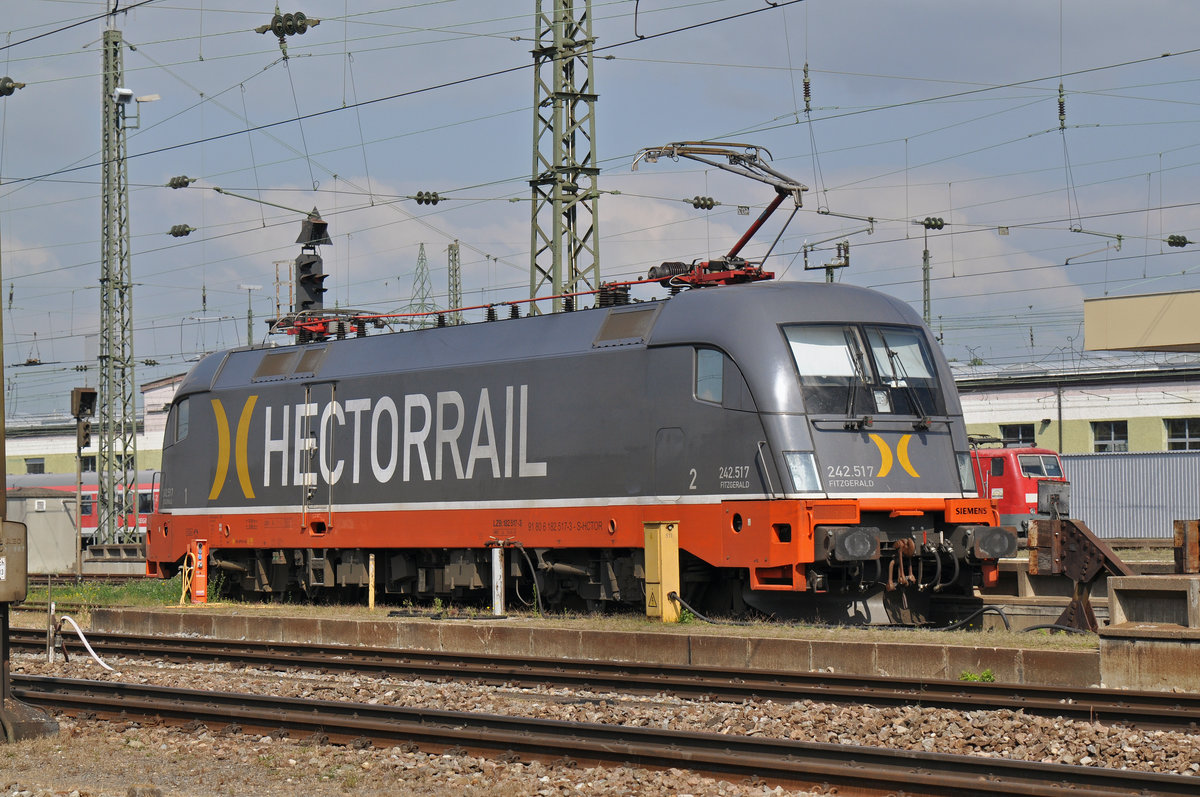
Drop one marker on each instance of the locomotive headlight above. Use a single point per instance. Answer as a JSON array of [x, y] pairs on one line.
[[966, 473], [803, 466]]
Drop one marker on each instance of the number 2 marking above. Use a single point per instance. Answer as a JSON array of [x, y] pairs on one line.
[[692, 486]]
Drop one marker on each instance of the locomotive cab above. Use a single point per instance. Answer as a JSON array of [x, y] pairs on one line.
[[1009, 476]]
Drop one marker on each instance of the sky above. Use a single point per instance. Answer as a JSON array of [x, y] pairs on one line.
[[917, 109]]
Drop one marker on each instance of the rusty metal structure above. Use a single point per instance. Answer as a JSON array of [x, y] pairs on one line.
[[1065, 546], [1187, 547]]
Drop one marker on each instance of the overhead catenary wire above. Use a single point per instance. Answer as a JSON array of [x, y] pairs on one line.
[[368, 193], [625, 43]]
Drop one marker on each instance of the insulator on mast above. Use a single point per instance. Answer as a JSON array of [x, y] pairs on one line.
[[807, 90], [1062, 108]]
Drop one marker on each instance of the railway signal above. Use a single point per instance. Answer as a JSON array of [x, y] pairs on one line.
[[310, 279], [83, 408], [928, 223], [310, 282], [83, 402]]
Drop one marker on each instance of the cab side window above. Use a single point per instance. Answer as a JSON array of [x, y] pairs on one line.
[[997, 467], [177, 423], [710, 367]]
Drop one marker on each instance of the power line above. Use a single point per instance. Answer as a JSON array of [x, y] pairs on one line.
[[412, 92], [76, 24]]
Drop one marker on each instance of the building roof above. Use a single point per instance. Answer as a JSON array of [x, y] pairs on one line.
[[1086, 370]]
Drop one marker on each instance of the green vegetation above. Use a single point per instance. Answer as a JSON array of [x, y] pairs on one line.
[[987, 676], [136, 592]]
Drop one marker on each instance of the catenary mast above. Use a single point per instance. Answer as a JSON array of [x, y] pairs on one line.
[[564, 248], [116, 412]]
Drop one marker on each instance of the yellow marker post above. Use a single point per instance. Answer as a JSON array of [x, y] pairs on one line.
[[662, 570], [371, 582]]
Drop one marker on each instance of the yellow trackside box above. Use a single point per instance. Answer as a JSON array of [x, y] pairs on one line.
[[662, 570], [14, 561]]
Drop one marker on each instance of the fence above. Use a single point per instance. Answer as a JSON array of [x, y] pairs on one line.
[[1134, 494]]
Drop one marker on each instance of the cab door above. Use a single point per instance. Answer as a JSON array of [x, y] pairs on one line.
[[317, 468]]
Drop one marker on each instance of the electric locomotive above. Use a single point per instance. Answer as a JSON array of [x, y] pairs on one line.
[[806, 437], [1010, 476]]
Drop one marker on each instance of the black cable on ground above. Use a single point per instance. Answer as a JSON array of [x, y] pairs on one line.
[[533, 573], [973, 615], [1056, 627], [444, 615], [675, 597]]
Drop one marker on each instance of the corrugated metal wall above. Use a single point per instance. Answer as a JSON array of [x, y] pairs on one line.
[[1134, 495]]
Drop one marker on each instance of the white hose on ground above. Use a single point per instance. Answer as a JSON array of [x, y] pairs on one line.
[[83, 639]]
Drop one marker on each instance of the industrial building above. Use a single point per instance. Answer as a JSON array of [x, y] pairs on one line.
[[47, 444], [1102, 406]]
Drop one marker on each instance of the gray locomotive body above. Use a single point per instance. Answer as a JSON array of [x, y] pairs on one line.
[[807, 437]]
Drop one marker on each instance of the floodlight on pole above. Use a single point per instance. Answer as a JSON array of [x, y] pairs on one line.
[[123, 97]]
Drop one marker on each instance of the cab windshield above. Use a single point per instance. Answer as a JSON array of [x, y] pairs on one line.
[[860, 369], [1040, 465]]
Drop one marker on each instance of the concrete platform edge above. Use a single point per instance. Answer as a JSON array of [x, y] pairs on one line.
[[852, 656]]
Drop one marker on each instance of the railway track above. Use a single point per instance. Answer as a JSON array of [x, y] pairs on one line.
[[852, 769], [1162, 710]]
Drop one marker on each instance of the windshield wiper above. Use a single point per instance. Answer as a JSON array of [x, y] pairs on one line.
[[859, 378], [923, 422]]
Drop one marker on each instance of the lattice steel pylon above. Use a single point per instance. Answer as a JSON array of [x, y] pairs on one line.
[[455, 300], [565, 243], [116, 417], [422, 295]]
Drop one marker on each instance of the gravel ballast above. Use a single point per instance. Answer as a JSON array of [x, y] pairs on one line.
[[97, 758]]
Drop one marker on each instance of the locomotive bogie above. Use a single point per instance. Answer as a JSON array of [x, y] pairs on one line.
[[552, 577]]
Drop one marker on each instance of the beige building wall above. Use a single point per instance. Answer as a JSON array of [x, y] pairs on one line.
[[1063, 417], [1145, 434], [1146, 322], [57, 446]]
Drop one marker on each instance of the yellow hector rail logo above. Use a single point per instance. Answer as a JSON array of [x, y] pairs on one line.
[[886, 459], [239, 448]]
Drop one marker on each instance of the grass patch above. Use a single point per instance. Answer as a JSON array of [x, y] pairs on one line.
[[987, 676], [156, 593], [136, 592]]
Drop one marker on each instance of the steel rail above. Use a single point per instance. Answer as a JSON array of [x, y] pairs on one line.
[[1167, 710], [866, 770]]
